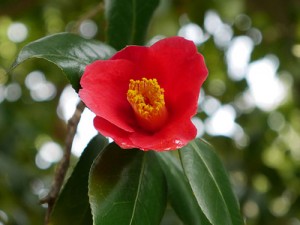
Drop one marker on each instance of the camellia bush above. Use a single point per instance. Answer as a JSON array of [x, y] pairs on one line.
[[144, 97]]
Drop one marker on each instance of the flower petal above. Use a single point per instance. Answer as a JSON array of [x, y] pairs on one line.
[[183, 69], [177, 66], [121, 137], [145, 143], [104, 86], [179, 69], [173, 136], [145, 65]]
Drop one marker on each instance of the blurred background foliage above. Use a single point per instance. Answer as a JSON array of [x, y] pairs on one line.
[[248, 109]]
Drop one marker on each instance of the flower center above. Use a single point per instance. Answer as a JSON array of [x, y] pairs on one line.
[[147, 99]]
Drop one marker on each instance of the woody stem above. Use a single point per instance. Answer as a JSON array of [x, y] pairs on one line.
[[62, 168]]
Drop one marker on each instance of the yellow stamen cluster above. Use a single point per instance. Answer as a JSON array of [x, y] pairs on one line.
[[147, 100]]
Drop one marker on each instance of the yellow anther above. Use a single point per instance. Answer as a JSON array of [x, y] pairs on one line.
[[146, 98]]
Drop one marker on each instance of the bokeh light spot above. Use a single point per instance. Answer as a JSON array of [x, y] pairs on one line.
[[240, 137], [274, 157], [17, 32], [192, 32], [267, 90], [41, 163], [67, 103], [50, 152], [244, 102], [250, 209], [36, 186], [243, 22], [296, 50], [261, 183], [223, 35], [3, 217], [239, 181], [88, 29], [222, 122], [276, 121], [238, 57], [85, 132], [8, 49], [212, 21], [13, 92], [199, 126], [280, 206], [201, 98], [210, 105], [43, 92], [255, 35], [291, 138], [34, 78], [217, 87], [40, 88]]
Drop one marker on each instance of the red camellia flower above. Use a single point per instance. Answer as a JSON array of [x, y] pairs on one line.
[[145, 97]]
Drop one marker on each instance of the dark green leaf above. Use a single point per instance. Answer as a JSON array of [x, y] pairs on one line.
[[128, 21], [210, 183], [68, 51], [180, 193], [127, 187], [72, 206]]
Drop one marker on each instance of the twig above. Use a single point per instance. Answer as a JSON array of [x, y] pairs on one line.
[[90, 14], [62, 168]]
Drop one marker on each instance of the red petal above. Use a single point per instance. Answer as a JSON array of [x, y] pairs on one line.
[[177, 66], [173, 136], [178, 131], [104, 86], [145, 65], [108, 129], [170, 138], [184, 72], [179, 69]]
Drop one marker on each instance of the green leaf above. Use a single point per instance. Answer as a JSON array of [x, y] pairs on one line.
[[210, 183], [128, 21], [72, 206], [127, 187], [180, 193], [68, 51]]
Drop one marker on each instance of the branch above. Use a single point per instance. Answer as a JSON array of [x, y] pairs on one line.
[[90, 14], [62, 168]]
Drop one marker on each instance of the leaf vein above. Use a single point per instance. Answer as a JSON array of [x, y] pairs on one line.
[[213, 178], [138, 190]]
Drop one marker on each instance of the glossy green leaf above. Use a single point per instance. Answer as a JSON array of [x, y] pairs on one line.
[[128, 21], [68, 51], [127, 187], [210, 183], [180, 193], [72, 206]]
